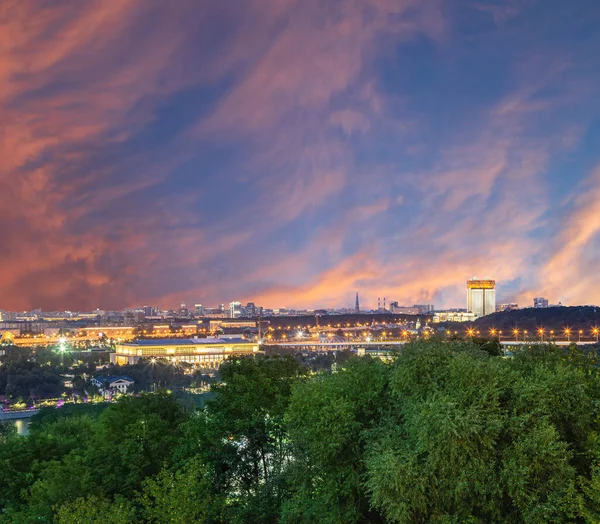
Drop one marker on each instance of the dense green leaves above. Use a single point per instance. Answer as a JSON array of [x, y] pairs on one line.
[[483, 439], [328, 421], [446, 432]]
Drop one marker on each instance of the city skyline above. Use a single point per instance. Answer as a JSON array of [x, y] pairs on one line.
[[293, 152], [386, 303]]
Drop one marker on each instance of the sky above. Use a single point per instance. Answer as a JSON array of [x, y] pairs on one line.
[[294, 152]]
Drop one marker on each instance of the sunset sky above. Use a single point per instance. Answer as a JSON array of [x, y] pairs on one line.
[[293, 152]]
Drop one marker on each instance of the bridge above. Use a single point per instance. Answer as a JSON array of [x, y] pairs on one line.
[[314, 345], [17, 414]]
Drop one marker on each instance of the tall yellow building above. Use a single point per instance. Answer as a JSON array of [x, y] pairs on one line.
[[481, 296]]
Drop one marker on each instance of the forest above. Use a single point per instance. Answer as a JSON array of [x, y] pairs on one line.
[[443, 432]]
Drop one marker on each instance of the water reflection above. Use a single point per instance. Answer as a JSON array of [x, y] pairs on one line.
[[22, 426]]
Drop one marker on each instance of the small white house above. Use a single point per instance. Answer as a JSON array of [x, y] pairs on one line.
[[109, 385]]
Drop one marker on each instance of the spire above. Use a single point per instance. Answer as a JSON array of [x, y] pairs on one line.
[[356, 305]]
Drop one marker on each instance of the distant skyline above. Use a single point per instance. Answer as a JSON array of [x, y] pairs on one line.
[[295, 151], [342, 305]]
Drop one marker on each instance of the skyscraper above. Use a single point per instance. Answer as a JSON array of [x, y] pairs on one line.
[[481, 296], [357, 306], [235, 309]]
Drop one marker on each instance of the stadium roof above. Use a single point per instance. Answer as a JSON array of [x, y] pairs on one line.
[[185, 341]]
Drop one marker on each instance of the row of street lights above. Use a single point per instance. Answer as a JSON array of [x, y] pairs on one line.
[[540, 331]]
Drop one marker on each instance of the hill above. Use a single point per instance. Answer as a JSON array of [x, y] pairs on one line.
[[575, 318]]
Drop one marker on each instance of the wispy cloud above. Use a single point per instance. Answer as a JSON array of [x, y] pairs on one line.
[[294, 151]]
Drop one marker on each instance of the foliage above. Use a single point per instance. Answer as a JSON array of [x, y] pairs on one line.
[[241, 437], [328, 420], [477, 439], [96, 510], [182, 496], [448, 431]]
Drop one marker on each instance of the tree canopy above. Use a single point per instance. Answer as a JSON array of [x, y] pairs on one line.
[[447, 431]]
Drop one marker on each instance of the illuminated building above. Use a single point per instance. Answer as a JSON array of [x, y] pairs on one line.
[[453, 316], [108, 385], [481, 296], [122, 332], [203, 352], [232, 325], [507, 307], [235, 309]]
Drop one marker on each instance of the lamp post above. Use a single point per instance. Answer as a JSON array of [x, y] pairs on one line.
[[516, 333], [153, 362], [595, 332], [541, 332], [568, 334], [580, 333]]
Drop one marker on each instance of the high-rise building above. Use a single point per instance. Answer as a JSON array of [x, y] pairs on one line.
[[235, 309], [425, 309], [481, 296], [540, 302], [357, 305], [249, 310]]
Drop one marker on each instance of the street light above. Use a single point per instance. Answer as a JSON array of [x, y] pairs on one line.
[[541, 332], [595, 332], [568, 334], [516, 333], [580, 333]]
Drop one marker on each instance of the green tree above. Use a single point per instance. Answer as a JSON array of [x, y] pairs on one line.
[[182, 496], [328, 420], [240, 435], [28, 464], [135, 439], [471, 438], [97, 510]]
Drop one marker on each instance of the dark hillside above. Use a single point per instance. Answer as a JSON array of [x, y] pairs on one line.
[[553, 318]]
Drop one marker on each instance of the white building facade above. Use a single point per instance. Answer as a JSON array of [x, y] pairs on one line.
[[481, 296]]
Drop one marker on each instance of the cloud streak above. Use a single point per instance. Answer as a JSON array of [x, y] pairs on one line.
[[293, 152]]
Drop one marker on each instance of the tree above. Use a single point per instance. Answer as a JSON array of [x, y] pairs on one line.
[[240, 435], [181, 496], [135, 439], [97, 510], [328, 421], [471, 438]]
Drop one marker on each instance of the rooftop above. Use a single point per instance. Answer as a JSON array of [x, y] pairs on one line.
[[109, 379], [186, 341]]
